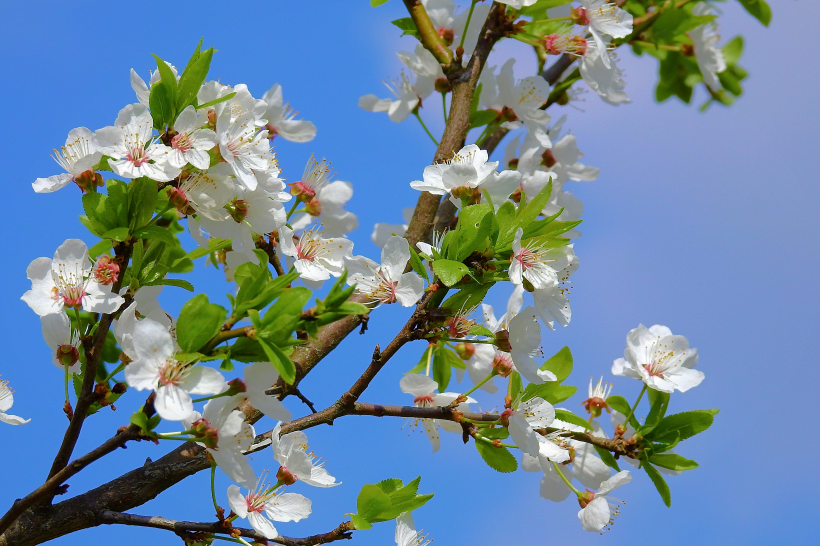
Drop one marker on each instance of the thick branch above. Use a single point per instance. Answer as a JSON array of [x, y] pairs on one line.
[[109, 517], [428, 34]]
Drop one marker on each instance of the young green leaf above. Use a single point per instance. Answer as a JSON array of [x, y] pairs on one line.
[[280, 361], [672, 461], [168, 78], [371, 502], [607, 458], [449, 271], [418, 265], [408, 26], [192, 79], [162, 104], [660, 483], [687, 424], [560, 364], [759, 9], [498, 458], [142, 199], [619, 404], [198, 322], [441, 369], [571, 418]]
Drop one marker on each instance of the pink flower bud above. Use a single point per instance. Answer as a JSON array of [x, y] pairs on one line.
[[284, 476], [105, 270]]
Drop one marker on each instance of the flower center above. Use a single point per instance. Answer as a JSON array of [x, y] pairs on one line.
[[182, 142], [138, 156], [73, 297], [423, 401], [105, 270], [171, 373], [308, 248], [238, 209]]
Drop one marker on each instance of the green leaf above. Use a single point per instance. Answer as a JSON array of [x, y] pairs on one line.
[[482, 117], [142, 199], [213, 246], [390, 485], [540, 8], [116, 234], [141, 420], [571, 418], [551, 391], [449, 271], [198, 322], [371, 502], [408, 26], [94, 205], [376, 3], [607, 458], [100, 248], [498, 458], [214, 102], [418, 265], [733, 49], [118, 200], [360, 523], [660, 483], [658, 401], [441, 369], [619, 404], [154, 232], [560, 364], [162, 104], [280, 361], [192, 78], [422, 361], [468, 297], [687, 424], [672, 461], [168, 78], [759, 9], [179, 283], [516, 385], [194, 57]]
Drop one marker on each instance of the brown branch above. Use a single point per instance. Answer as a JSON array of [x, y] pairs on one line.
[[93, 356], [428, 34], [225, 335], [108, 517]]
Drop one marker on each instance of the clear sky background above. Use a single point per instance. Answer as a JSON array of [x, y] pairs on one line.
[[703, 222]]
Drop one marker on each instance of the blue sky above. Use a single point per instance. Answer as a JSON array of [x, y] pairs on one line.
[[703, 222]]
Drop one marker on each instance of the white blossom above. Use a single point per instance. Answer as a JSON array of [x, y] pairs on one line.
[[155, 368], [134, 150], [191, 144], [77, 156], [387, 283], [422, 387], [261, 506], [406, 534], [6, 401], [328, 208], [661, 360], [316, 258], [67, 282], [280, 117], [604, 18], [61, 339], [602, 510], [291, 451], [708, 55], [536, 263], [469, 168], [382, 231]]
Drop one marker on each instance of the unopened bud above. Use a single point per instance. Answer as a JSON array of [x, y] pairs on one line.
[[502, 341], [285, 476], [579, 16], [88, 181], [119, 388], [465, 350], [235, 386], [446, 35], [313, 207], [67, 355], [442, 85], [563, 98], [105, 270]]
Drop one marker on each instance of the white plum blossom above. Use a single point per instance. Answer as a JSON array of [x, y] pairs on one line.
[[518, 4], [552, 303], [426, 68], [708, 55], [382, 232], [517, 103], [602, 75], [259, 377], [155, 368], [261, 505], [131, 145], [422, 388], [191, 144], [316, 258], [661, 360], [530, 414], [6, 401], [63, 340], [77, 156], [123, 327], [599, 510], [604, 18], [386, 283], [243, 147], [250, 211], [536, 263], [66, 282], [525, 339], [280, 117], [291, 451], [315, 177], [406, 534], [469, 168], [406, 99], [226, 435], [328, 208], [205, 193]]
